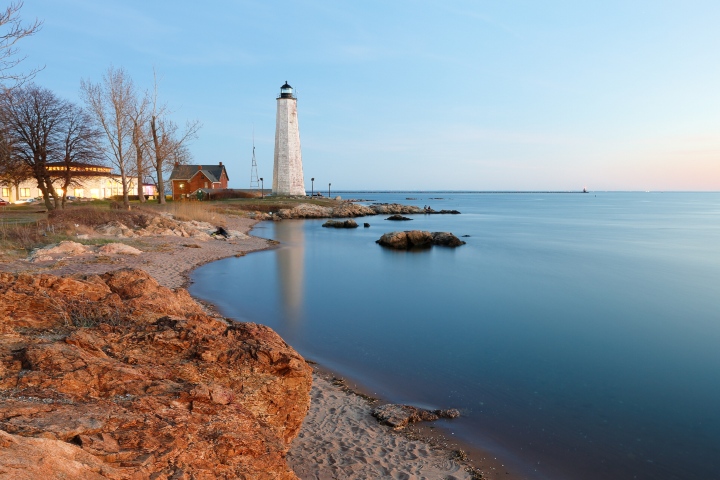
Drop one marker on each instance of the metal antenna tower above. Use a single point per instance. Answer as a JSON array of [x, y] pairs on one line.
[[254, 179]]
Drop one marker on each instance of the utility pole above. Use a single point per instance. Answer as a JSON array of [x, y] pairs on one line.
[[254, 183]]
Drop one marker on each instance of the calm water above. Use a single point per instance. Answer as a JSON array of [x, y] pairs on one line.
[[578, 333]]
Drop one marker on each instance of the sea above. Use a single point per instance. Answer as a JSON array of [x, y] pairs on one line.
[[578, 333]]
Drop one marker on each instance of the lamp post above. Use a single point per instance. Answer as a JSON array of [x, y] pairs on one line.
[[312, 187], [262, 188], [329, 189]]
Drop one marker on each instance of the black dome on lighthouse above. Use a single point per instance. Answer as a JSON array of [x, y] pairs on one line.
[[286, 91]]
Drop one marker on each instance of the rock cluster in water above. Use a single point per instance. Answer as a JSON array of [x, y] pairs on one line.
[[340, 224], [115, 376], [418, 239]]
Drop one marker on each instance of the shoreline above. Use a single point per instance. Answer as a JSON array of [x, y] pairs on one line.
[[436, 437], [359, 399], [338, 437]]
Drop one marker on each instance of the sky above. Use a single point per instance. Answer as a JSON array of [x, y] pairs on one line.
[[418, 95]]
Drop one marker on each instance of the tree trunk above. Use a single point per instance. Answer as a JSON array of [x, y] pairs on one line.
[[141, 193], [158, 162], [161, 184], [52, 193], [139, 160], [43, 188], [126, 196], [67, 180]]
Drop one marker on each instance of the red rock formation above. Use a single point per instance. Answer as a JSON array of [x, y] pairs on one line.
[[118, 377]]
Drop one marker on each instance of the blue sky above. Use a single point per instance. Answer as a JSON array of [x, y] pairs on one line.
[[451, 94]]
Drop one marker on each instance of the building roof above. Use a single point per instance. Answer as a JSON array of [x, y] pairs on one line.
[[186, 172]]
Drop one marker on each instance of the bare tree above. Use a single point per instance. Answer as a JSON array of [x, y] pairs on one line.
[[111, 102], [33, 118], [80, 145], [140, 143], [11, 31], [169, 145]]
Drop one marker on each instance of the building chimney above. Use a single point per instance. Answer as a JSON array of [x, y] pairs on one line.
[[177, 164], [199, 167], [221, 164]]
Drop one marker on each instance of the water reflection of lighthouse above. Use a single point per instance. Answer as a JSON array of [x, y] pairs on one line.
[[291, 268]]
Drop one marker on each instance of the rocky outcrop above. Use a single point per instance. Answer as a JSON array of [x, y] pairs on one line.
[[68, 249], [114, 376], [352, 210], [305, 210], [340, 224], [418, 239], [399, 416], [398, 218], [345, 210], [58, 251], [116, 229], [391, 208], [164, 225]]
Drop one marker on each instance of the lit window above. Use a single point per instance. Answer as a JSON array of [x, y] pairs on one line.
[[182, 185], [25, 192], [5, 192]]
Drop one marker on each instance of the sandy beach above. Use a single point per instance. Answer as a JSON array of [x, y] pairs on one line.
[[339, 437]]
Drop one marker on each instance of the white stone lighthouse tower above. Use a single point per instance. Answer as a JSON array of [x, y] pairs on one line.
[[287, 168]]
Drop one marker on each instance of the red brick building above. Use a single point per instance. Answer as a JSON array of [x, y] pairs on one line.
[[187, 179]]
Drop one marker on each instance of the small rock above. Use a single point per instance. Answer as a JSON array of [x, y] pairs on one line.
[[63, 249], [442, 212], [398, 217], [366, 225], [398, 416], [446, 239], [119, 248]]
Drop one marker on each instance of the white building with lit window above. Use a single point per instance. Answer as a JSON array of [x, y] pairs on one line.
[[89, 181]]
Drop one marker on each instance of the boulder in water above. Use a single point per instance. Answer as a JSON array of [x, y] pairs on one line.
[[340, 224], [418, 239]]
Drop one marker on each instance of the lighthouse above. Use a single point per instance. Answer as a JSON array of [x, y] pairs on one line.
[[287, 167]]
